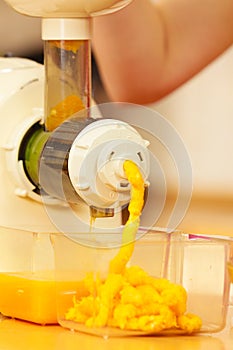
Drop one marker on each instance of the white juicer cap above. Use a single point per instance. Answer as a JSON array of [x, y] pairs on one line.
[[96, 160]]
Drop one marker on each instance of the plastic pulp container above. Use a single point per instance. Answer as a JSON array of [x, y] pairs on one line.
[[199, 264]]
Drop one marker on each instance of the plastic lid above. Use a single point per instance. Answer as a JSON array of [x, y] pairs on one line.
[[66, 29]]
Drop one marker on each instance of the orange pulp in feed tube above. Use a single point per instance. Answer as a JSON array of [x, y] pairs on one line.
[[63, 110], [70, 104], [68, 45]]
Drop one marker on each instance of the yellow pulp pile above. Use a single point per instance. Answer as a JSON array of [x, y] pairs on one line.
[[129, 298]]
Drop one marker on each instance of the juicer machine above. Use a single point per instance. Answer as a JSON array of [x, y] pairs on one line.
[[61, 162], [61, 166]]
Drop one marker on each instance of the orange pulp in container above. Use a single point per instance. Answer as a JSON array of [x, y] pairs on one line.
[[129, 298]]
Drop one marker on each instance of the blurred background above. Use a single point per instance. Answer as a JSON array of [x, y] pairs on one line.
[[20, 35], [202, 112]]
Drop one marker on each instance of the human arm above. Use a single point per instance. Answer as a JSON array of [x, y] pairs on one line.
[[148, 49]]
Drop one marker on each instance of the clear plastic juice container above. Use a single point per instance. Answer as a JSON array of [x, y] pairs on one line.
[[27, 284], [173, 284]]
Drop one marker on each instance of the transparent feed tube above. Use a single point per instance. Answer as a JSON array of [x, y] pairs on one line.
[[67, 80]]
